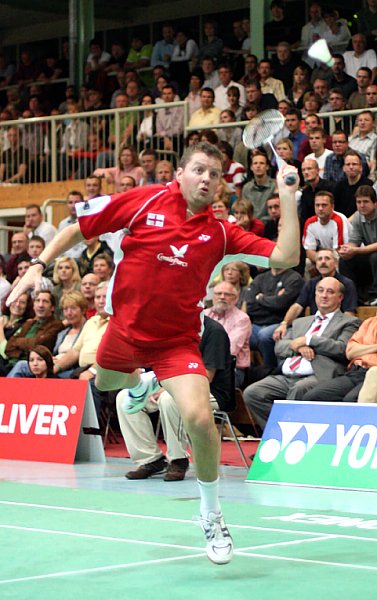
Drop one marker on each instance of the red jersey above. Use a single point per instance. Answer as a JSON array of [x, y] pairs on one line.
[[164, 260]]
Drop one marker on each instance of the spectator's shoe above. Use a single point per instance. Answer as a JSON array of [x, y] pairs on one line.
[[373, 302], [146, 471], [135, 399], [219, 541], [176, 470]]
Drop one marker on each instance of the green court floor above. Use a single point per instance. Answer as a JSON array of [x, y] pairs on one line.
[[76, 544]]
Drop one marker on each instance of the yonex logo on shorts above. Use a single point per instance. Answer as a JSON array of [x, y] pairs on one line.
[[204, 237], [193, 365], [155, 220]]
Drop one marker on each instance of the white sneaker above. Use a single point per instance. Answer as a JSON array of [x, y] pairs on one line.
[[219, 541], [132, 403]]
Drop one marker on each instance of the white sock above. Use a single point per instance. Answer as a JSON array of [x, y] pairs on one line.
[[209, 497]]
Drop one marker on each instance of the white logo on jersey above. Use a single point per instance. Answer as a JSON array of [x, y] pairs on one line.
[[204, 237], [193, 365], [176, 259], [179, 252], [155, 220]]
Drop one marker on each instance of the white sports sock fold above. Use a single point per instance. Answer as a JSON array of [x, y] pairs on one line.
[[209, 497]]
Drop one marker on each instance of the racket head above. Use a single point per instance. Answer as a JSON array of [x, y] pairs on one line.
[[262, 128]]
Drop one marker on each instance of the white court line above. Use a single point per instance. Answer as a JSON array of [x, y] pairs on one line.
[[175, 520], [290, 543], [97, 537], [305, 560], [99, 569]]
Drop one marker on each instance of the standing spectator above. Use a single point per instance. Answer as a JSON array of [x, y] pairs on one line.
[[96, 64], [314, 29], [183, 60], [367, 20], [337, 34], [280, 28], [233, 49], [359, 256], [212, 45]]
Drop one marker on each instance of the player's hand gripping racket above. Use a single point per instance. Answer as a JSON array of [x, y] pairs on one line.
[[261, 130]]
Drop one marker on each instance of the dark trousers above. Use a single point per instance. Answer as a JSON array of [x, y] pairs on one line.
[[362, 269], [344, 388]]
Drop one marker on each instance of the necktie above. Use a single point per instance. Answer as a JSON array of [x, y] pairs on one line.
[[295, 361]]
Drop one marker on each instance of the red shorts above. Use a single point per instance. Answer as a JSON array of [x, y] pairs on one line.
[[167, 358]]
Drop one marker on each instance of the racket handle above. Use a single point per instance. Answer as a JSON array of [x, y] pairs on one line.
[[290, 179]]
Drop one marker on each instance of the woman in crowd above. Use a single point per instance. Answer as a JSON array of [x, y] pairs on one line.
[[66, 277], [128, 164], [238, 274], [193, 97], [244, 214], [232, 135], [40, 363], [233, 96], [311, 104], [301, 84], [221, 202], [284, 149], [12, 320], [337, 35], [192, 138], [73, 305]]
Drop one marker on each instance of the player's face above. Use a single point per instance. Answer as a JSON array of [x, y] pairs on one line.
[[199, 179]]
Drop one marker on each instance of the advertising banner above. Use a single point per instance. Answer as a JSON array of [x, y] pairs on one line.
[[320, 444]]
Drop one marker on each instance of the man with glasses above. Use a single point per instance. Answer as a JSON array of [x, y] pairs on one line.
[[335, 162]]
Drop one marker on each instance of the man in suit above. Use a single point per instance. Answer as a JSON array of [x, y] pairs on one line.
[[312, 350]]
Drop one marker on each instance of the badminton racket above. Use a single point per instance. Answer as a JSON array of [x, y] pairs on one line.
[[261, 130]]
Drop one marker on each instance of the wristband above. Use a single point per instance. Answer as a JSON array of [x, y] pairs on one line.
[[93, 370]]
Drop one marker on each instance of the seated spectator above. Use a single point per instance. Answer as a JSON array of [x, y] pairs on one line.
[[313, 30], [251, 71], [269, 296], [260, 187], [233, 95], [317, 140], [93, 187], [207, 114], [313, 184], [137, 428], [359, 56], [339, 103], [40, 363], [23, 265], [88, 287], [359, 256], [117, 57], [163, 49], [36, 225], [96, 64], [27, 69], [42, 329], [371, 96], [280, 28], [226, 81], [74, 138], [139, 56], [212, 45], [365, 140], [233, 51], [230, 135], [367, 20], [192, 138], [161, 81], [196, 83], [293, 124], [312, 350], [244, 214], [15, 161], [271, 226], [184, 57], [221, 202], [73, 198], [361, 351], [327, 229], [337, 34], [358, 98], [66, 277], [269, 84], [148, 161], [301, 84], [235, 322], [85, 347], [127, 183], [211, 75], [238, 275], [340, 79], [311, 104], [164, 172], [128, 164], [208, 135], [327, 266], [19, 247], [284, 148], [233, 173], [253, 92], [14, 316], [334, 162], [103, 266], [94, 247], [5, 285], [346, 188], [85, 161], [7, 72], [147, 127]]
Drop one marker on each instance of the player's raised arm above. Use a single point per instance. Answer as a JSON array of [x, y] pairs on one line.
[[287, 250], [68, 237]]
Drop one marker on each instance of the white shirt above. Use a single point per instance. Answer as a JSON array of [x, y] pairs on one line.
[[221, 99], [44, 230], [353, 62], [331, 235], [320, 160]]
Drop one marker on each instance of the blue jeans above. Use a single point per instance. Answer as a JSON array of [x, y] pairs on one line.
[[261, 340]]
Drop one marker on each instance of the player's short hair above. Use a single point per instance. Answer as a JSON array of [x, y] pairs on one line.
[[204, 147]]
